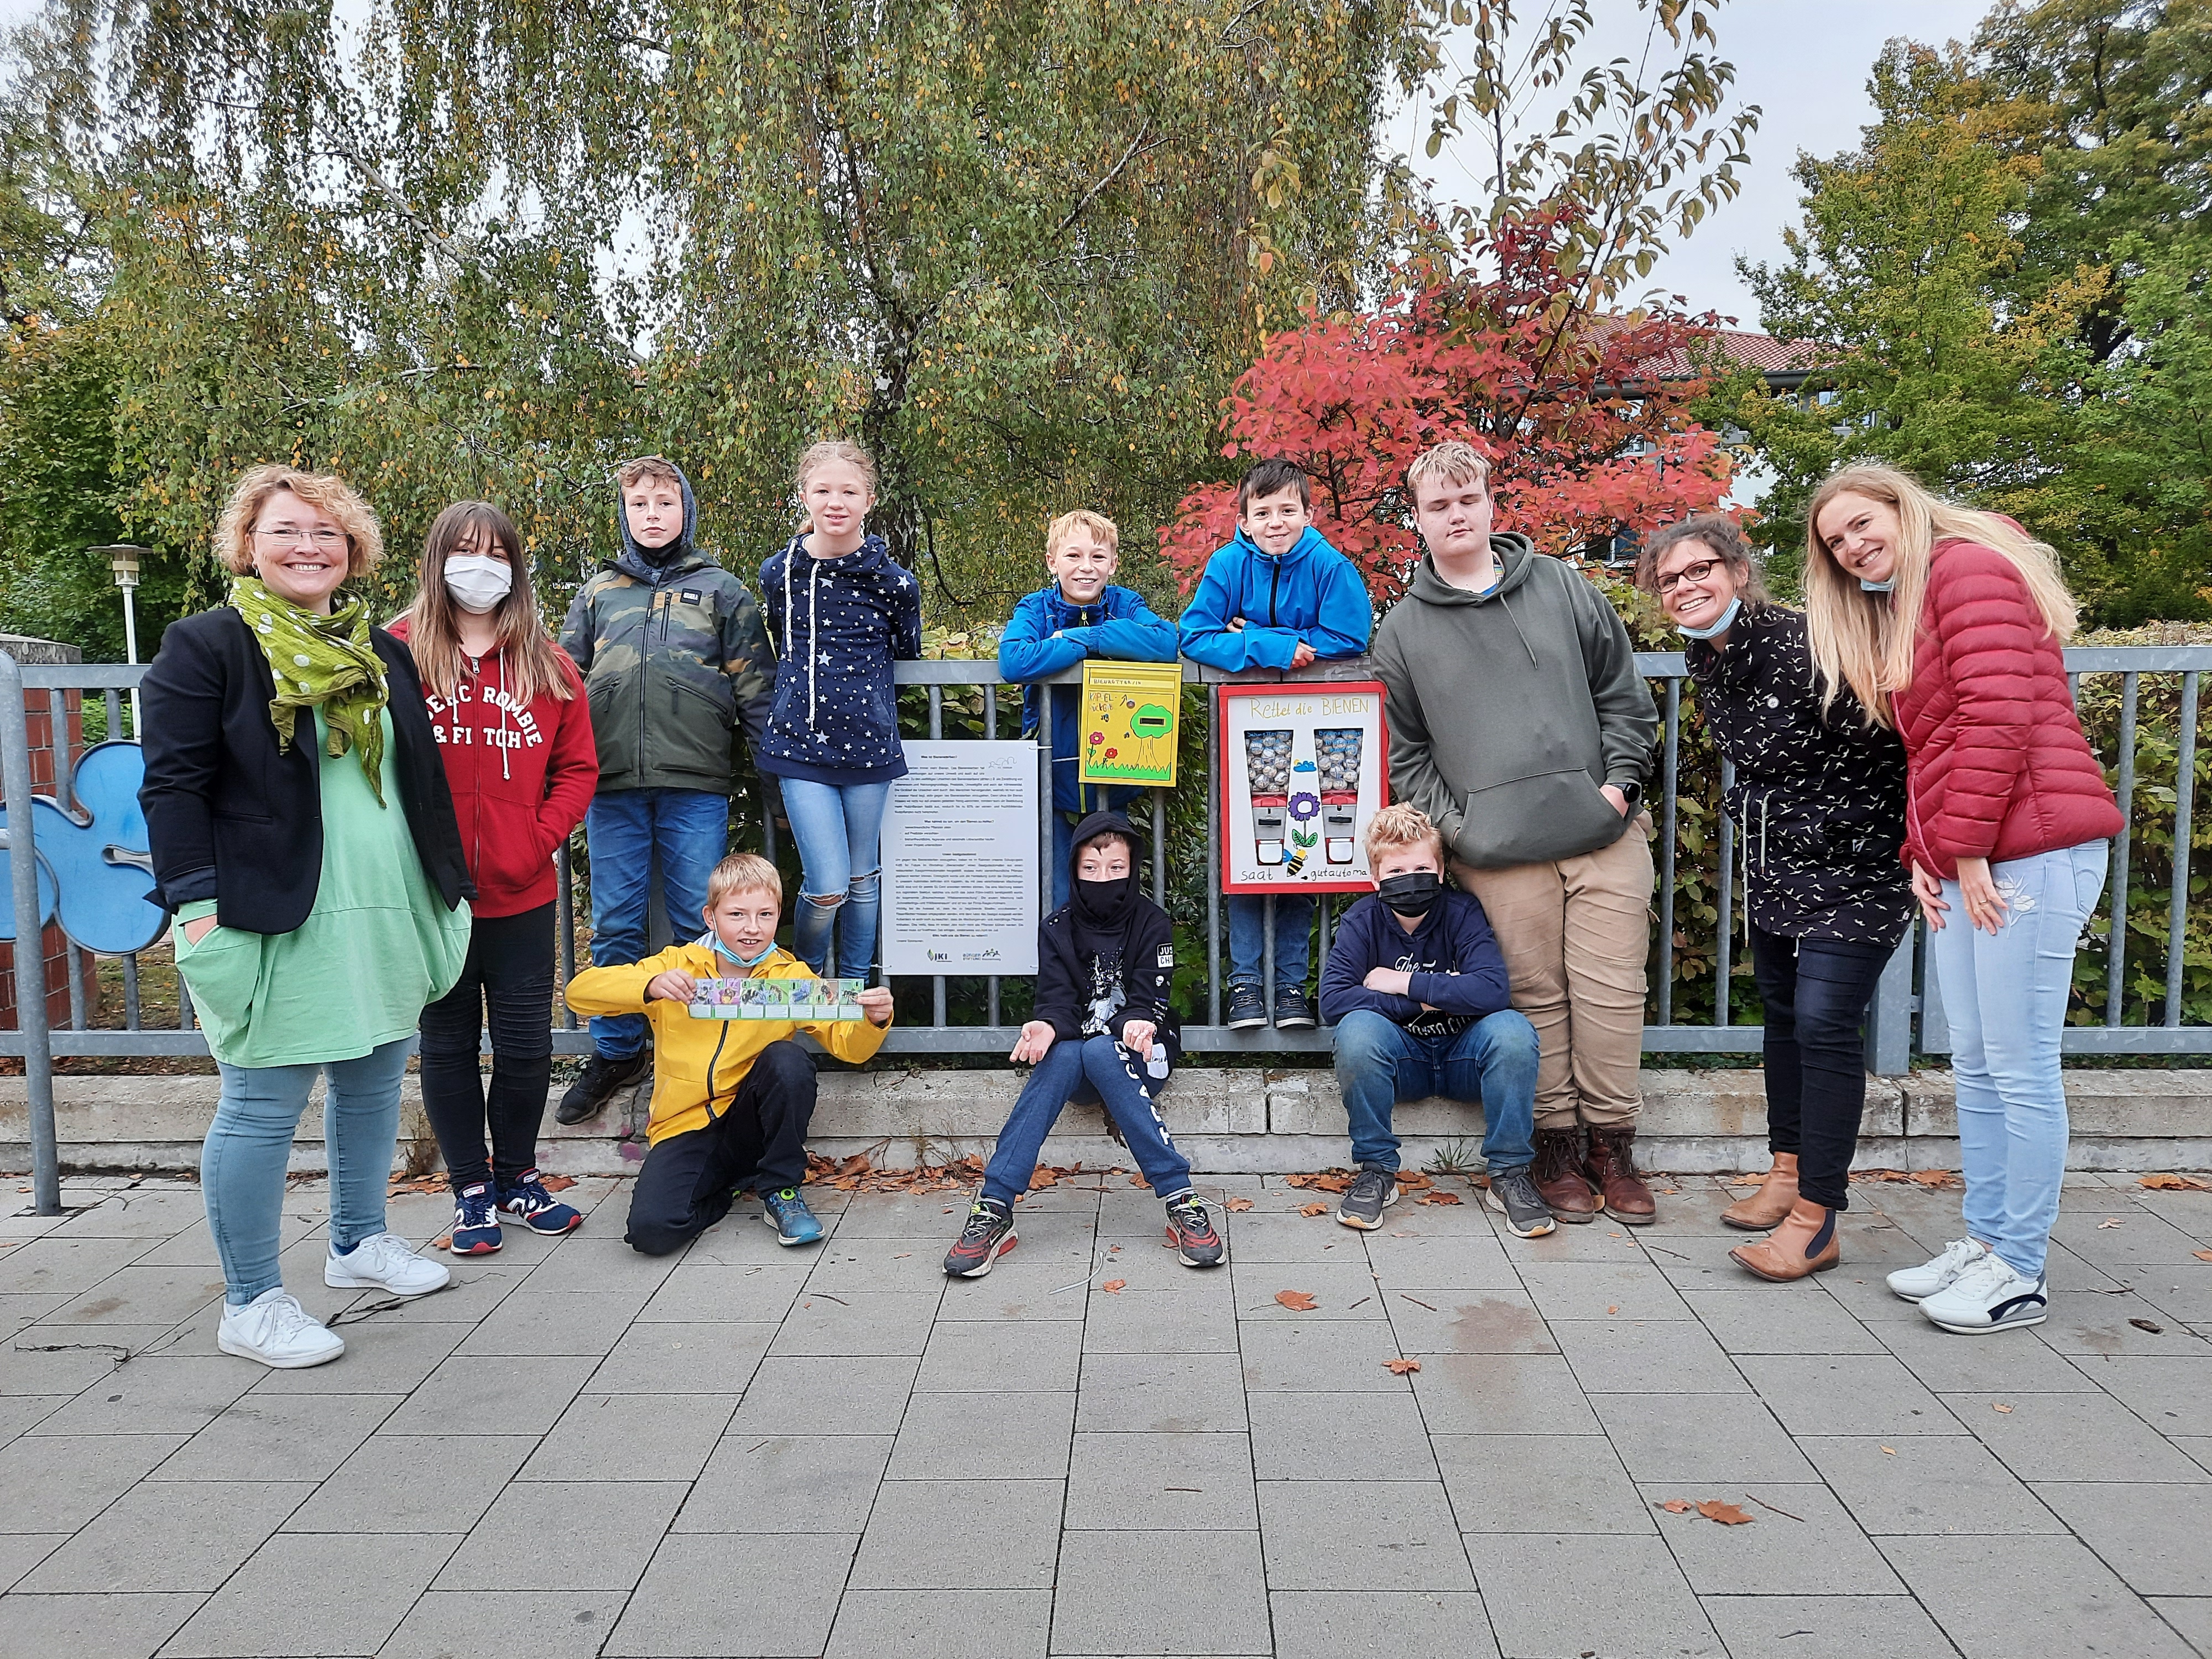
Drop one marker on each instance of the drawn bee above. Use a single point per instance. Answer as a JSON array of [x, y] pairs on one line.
[[1302, 842]]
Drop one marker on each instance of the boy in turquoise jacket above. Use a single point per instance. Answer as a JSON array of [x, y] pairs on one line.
[[1277, 596]]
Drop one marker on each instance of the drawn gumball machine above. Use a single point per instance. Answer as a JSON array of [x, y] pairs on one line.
[[1305, 807], [1338, 750], [1268, 776]]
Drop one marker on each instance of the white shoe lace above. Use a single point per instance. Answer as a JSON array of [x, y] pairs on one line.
[[382, 1254], [1970, 1281], [1959, 1255], [283, 1318]]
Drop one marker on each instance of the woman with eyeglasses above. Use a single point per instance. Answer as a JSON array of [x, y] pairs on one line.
[[1819, 800], [303, 836]]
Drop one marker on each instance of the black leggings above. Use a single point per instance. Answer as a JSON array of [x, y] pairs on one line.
[[1816, 993], [510, 971]]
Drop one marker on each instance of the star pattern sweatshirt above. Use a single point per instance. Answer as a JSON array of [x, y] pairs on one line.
[[837, 625]]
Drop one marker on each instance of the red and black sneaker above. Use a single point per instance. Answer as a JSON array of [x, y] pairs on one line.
[[988, 1234], [1190, 1232]]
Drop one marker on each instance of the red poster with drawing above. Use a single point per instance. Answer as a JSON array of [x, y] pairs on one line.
[[1305, 764]]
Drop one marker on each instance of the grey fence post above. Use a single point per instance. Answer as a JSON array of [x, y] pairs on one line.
[[30, 945], [1889, 1020]]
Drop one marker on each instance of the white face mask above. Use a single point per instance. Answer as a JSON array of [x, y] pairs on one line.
[[478, 581]]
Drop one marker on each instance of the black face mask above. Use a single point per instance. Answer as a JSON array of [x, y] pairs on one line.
[[1102, 912], [1412, 893]]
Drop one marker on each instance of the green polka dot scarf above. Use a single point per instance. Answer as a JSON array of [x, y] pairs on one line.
[[320, 659]]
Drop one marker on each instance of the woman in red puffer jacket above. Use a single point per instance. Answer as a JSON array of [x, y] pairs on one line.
[[1948, 623]]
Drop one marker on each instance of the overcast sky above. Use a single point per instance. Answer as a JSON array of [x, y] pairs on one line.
[[1803, 63]]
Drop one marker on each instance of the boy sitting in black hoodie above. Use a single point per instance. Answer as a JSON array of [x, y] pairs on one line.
[[1103, 1033], [1416, 989]]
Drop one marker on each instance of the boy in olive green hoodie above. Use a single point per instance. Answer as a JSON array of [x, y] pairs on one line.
[[674, 657]]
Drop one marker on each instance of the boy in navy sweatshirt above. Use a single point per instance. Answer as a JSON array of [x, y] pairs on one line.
[[1277, 596], [1416, 988], [1079, 614]]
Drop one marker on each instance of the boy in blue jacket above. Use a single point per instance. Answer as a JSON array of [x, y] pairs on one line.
[[1079, 614], [1278, 596], [1417, 988]]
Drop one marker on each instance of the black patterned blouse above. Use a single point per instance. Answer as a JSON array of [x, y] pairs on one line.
[[1818, 803]]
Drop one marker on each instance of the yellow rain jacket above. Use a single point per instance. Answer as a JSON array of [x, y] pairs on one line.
[[697, 1064]]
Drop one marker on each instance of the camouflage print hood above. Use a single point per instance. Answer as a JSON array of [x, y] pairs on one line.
[[653, 565]]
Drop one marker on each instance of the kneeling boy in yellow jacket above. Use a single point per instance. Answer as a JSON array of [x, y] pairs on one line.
[[731, 1098]]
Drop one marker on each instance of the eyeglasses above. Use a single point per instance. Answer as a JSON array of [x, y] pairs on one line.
[[323, 541], [1688, 573]]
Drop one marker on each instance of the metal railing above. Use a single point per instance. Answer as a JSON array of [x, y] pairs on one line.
[[1898, 1007]]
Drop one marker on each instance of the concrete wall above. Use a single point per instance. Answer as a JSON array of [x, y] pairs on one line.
[[1228, 1121]]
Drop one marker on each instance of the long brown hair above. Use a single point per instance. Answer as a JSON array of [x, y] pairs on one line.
[[1865, 640], [535, 666]]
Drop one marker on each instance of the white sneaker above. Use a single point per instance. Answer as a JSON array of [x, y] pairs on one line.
[[275, 1329], [384, 1262], [1990, 1296], [1914, 1283]]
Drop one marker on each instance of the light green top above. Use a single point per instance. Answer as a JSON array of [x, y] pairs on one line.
[[379, 944]]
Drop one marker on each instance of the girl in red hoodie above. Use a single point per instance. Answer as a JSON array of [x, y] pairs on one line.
[[515, 732], [1948, 624]]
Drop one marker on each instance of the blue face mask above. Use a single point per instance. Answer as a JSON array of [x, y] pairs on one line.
[[1728, 618], [1877, 588], [728, 955]]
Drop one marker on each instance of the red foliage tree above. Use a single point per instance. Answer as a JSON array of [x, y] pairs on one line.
[[1584, 417]]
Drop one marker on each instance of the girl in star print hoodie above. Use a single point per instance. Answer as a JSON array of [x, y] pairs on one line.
[[840, 611]]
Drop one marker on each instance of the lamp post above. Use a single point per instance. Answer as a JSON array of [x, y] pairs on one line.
[[122, 559]]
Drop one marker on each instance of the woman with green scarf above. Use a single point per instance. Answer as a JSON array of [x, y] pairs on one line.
[[304, 838]]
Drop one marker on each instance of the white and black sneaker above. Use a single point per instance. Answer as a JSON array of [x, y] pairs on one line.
[[1372, 1191], [1990, 1296], [1916, 1283], [1513, 1194]]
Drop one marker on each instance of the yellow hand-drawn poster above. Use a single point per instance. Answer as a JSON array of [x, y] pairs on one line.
[[1131, 718]]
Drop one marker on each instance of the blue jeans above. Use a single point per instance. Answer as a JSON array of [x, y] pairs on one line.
[[1086, 1071], [836, 827], [2005, 995], [1248, 938], [1493, 1061], [249, 1146], [624, 828]]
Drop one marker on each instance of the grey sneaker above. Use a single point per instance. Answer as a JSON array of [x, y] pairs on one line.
[[1513, 1195], [1293, 1012], [1371, 1192], [1247, 1009]]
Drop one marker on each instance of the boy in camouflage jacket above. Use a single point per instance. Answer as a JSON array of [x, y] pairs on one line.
[[674, 658]]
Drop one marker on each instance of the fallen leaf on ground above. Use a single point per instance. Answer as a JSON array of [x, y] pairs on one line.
[[2007, 1410], [1438, 1198], [1114, 1284], [857, 1165], [442, 1243], [1932, 1179], [2146, 1325], [1296, 1301], [1889, 1451], [1045, 1177], [1677, 1506], [1727, 1514], [2110, 1221], [1411, 1180], [1613, 1309], [1137, 1180], [1400, 1367], [2201, 1256], [1312, 1209], [1327, 1181], [2176, 1183], [1237, 1203]]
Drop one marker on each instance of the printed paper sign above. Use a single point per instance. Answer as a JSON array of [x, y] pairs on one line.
[[960, 861], [1303, 767], [1130, 721]]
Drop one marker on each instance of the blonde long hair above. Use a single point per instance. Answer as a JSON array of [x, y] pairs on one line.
[[1865, 640], [535, 666]]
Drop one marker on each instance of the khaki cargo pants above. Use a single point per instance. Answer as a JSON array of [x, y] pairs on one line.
[[1576, 934]]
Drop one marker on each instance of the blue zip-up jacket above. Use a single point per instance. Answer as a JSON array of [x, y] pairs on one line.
[[1050, 634], [1457, 968], [1311, 592], [837, 625]]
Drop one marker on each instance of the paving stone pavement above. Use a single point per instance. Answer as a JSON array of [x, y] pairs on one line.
[[750, 1451]]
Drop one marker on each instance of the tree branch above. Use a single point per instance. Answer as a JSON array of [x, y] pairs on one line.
[[1137, 147]]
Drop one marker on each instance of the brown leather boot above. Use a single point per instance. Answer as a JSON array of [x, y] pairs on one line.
[[1610, 1165], [1558, 1177], [1805, 1243], [1766, 1207]]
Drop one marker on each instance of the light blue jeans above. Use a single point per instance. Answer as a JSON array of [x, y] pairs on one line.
[[2005, 995], [836, 827], [249, 1146]]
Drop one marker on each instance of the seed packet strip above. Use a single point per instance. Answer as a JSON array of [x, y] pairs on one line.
[[802, 1001]]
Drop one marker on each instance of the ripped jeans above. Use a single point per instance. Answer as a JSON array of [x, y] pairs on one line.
[[836, 827]]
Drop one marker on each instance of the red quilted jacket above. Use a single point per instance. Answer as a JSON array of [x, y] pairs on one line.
[[1999, 766]]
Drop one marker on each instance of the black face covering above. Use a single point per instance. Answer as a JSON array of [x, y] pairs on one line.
[[1100, 913], [1412, 893]]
